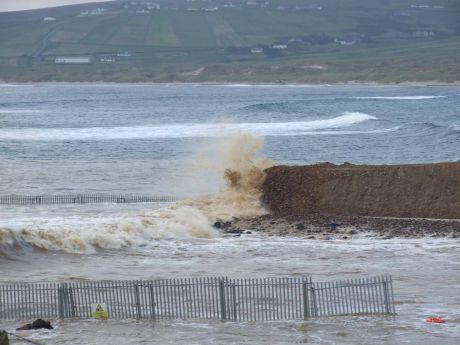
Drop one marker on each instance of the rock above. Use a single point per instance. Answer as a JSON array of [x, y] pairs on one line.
[[248, 232], [311, 237], [222, 225], [234, 231], [352, 232], [37, 324], [345, 238], [300, 226], [333, 226], [4, 338]]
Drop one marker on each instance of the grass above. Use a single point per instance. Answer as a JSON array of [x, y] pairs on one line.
[[167, 44]]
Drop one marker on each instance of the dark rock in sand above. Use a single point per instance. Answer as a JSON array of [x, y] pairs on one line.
[[4, 338], [248, 232], [352, 232], [234, 231], [222, 225], [333, 226], [300, 226], [37, 324]]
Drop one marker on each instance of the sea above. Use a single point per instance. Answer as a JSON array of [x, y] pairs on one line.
[[179, 140]]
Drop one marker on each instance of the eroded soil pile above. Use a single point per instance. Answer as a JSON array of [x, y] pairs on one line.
[[407, 191]]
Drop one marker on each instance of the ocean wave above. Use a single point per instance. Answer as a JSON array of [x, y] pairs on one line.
[[376, 131], [241, 169], [183, 131], [87, 235], [400, 97], [19, 111], [273, 85]]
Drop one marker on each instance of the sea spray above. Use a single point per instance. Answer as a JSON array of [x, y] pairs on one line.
[[239, 196], [243, 173]]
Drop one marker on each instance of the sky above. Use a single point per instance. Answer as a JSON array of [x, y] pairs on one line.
[[19, 5]]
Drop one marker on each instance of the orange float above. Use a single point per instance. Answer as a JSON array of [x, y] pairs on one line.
[[434, 319]]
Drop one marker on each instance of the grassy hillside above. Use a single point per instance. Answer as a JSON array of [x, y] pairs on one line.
[[216, 40]]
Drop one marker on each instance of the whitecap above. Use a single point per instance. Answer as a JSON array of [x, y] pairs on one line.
[[400, 97], [192, 130]]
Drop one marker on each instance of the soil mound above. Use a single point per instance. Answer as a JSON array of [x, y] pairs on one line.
[[407, 191]]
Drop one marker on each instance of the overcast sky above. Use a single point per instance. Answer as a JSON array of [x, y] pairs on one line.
[[18, 5]]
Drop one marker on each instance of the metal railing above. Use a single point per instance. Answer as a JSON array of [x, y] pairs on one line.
[[200, 298], [80, 199]]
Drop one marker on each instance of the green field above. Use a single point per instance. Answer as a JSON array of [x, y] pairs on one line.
[[383, 41]]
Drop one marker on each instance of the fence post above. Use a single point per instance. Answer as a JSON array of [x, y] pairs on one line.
[[306, 311], [313, 299], [72, 302], [152, 302], [385, 297], [61, 301], [138, 302], [234, 301], [223, 304]]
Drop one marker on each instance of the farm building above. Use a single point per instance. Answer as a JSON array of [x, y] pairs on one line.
[[72, 59]]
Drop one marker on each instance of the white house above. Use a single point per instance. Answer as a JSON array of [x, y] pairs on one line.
[[49, 19], [279, 46], [257, 50], [107, 59], [72, 59]]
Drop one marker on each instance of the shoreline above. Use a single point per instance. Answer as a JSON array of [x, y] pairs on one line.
[[328, 227], [235, 84]]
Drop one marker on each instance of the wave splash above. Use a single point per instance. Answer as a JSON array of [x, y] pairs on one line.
[[208, 130], [243, 174]]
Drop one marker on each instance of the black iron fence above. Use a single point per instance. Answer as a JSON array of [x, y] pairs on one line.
[[200, 298]]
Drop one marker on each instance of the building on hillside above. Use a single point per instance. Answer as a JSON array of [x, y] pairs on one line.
[[345, 42], [72, 59], [423, 33], [124, 54], [420, 6], [279, 46], [257, 50], [97, 12], [153, 6], [49, 19], [107, 59]]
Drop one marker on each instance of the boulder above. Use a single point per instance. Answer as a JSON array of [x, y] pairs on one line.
[[37, 324]]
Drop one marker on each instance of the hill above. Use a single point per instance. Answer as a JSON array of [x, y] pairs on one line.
[[302, 41]]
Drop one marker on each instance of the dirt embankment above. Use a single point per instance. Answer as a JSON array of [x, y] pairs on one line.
[[406, 191]]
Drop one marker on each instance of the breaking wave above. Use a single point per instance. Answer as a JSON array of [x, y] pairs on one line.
[[242, 175], [19, 111], [183, 131], [401, 97]]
